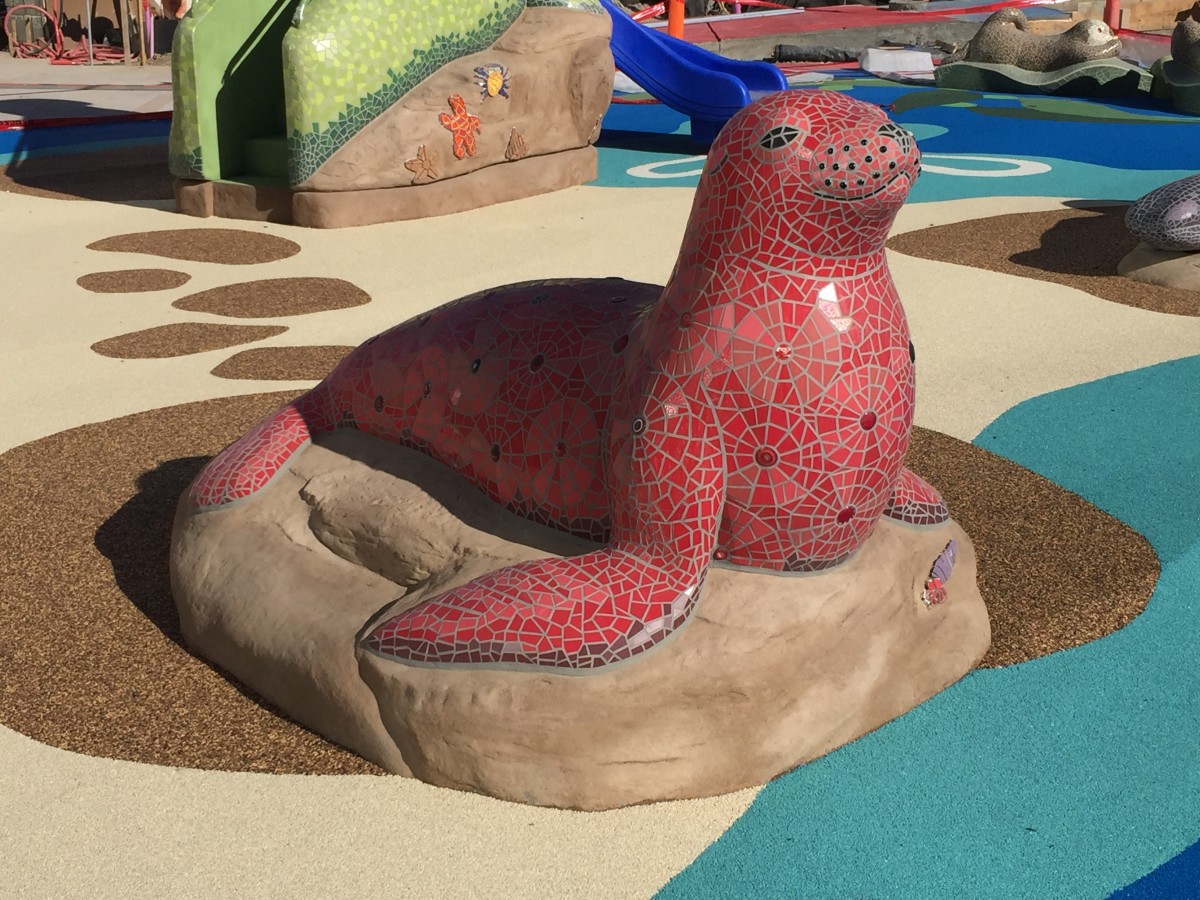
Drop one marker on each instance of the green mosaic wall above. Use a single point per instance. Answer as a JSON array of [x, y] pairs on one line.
[[590, 6], [185, 157], [227, 70], [347, 61]]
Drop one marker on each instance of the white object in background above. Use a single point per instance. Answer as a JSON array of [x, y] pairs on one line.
[[879, 61], [809, 77], [623, 84]]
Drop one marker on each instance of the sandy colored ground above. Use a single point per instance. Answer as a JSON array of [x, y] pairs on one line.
[[985, 342]]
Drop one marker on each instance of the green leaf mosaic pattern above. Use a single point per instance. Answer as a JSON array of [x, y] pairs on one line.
[[183, 147], [590, 6], [349, 60], [227, 76]]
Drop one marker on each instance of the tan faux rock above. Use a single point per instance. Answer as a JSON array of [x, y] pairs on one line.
[[483, 187], [771, 672], [1168, 268], [560, 72]]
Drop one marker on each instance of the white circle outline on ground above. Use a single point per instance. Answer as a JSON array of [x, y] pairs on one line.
[[650, 170], [1019, 166]]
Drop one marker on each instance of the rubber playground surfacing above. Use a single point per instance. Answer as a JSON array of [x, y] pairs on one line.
[[1074, 774]]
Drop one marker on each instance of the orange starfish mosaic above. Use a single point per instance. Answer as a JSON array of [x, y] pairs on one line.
[[462, 125]]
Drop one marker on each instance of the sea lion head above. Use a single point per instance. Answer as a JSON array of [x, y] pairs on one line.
[[1185, 44], [819, 170], [1092, 32]]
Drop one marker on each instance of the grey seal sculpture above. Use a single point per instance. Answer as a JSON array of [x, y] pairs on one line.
[[1005, 39], [1185, 44]]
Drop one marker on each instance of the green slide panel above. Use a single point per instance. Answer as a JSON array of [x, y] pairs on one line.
[[227, 63]]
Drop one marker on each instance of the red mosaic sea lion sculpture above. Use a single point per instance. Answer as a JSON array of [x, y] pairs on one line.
[[755, 412]]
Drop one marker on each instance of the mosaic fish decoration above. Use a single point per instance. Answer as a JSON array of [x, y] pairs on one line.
[[943, 566], [492, 80]]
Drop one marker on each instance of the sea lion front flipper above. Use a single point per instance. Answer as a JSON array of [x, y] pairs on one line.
[[916, 502], [667, 484]]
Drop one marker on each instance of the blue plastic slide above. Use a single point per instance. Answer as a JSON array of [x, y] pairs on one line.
[[690, 80]]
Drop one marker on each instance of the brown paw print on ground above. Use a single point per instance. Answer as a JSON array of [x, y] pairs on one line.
[[260, 299], [282, 363], [1054, 570], [1079, 248], [132, 281]]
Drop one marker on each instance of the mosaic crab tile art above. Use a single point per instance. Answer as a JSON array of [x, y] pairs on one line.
[[492, 80]]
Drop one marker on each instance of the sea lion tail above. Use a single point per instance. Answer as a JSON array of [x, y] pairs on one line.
[[956, 52], [1010, 14], [253, 460]]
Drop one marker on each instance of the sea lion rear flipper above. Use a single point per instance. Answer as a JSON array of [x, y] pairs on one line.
[[250, 462], [916, 502]]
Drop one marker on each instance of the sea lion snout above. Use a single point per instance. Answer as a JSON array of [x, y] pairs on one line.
[[864, 162]]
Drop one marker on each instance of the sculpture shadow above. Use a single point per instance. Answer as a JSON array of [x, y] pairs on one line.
[[45, 161], [136, 540], [39, 108], [122, 175], [649, 142], [1082, 245]]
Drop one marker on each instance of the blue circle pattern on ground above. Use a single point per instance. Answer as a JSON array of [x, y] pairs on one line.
[[1125, 151]]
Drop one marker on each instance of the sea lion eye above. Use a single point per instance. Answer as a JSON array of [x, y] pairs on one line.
[[779, 136]]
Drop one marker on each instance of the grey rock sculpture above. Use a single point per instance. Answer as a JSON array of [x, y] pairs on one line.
[[1005, 39], [1168, 217]]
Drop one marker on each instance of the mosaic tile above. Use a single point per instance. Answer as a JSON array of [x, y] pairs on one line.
[[755, 411], [373, 54], [1168, 217], [185, 159], [346, 61], [461, 125]]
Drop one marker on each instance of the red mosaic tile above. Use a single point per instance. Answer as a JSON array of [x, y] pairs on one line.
[[756, 410]]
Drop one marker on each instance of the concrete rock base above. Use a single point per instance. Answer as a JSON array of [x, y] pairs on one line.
[[1101, 78], [1168, 268], [260, 202], [1177, 83], [772, 671]]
